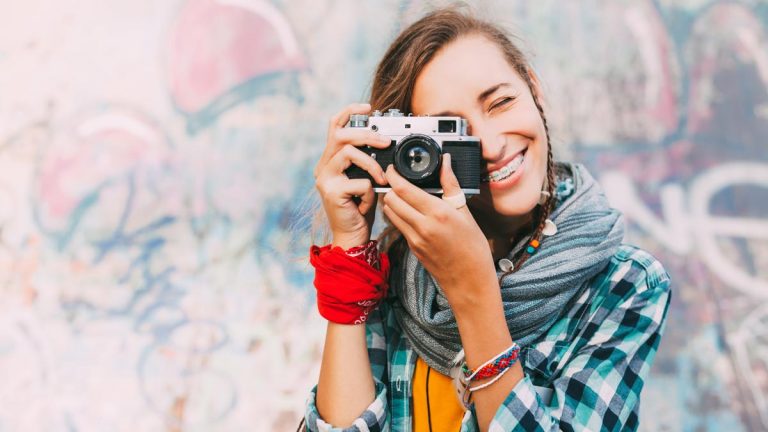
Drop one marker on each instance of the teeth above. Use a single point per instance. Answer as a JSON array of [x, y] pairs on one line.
[[506, 171]]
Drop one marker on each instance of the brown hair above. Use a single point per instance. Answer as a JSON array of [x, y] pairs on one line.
[[407, 56]]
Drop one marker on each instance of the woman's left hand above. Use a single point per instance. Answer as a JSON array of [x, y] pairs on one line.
[[446, 240]]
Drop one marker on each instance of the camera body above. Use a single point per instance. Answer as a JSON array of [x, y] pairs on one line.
[[417, 145]]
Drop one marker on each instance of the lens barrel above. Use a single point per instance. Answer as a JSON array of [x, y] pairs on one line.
[[417, 158]]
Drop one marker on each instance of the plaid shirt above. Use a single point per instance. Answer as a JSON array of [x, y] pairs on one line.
[[595, 360]]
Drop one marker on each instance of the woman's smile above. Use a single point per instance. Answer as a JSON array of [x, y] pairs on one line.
[[507, 174]]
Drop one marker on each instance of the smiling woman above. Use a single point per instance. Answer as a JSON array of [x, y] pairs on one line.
[[516, 309]]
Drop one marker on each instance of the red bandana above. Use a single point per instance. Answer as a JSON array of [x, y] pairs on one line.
[[348, 288]]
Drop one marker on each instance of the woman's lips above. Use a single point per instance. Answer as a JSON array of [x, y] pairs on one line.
[[511, 180], [508, 168]]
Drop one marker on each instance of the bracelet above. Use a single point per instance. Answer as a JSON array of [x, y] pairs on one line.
[[501, 362], [484, 385], [495, 367]]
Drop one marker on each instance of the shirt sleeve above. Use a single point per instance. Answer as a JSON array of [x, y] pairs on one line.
[[599, 388], [376, 417]]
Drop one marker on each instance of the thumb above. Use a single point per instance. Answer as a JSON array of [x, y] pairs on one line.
[[451, 188], [448, 179]]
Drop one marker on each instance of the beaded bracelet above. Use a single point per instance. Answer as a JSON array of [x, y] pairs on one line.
[[493, 367]]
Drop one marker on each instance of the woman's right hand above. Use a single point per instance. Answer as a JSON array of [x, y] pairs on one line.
[[349, 221]]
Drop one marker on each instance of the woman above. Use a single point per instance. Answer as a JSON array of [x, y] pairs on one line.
[[523, 299]]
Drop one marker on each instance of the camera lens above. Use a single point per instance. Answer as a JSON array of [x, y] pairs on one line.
[[417, 158]]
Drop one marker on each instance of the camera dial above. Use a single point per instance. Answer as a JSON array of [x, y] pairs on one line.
[[393, 112], [358, 120]]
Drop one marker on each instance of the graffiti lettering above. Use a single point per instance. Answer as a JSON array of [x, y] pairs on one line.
[[687, 227]]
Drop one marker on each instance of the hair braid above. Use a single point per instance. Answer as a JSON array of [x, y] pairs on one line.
[[548, 205]]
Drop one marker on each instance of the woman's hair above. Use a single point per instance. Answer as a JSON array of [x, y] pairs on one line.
[[413, 49]]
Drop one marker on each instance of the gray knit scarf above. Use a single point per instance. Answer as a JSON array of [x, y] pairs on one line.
[[534, 297]]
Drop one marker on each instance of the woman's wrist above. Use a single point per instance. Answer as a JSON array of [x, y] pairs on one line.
[[471, 296], [483, 316], [350, 282], [347, 241], [368, 252]]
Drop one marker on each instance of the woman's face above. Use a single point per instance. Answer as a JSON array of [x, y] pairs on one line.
[[471, 78]]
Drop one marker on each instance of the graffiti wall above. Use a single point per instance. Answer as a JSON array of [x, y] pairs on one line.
[[156, 195]]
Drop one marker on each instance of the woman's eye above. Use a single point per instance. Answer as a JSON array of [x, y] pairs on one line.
[[500, 103]]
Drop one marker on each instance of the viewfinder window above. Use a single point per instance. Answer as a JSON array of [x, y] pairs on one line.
[[446, 126]]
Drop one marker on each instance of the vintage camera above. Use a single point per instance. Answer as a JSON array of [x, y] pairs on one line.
[[417, 147]]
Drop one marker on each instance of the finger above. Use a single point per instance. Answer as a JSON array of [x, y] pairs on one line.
[[449, 182], [339, 136], [360, 137], [339, 192], [399, 223], [448, 179], [339, 120], [351, 136], [367, 200], [356, 187], [334, 187], [342, 117], [404, 210], [349, 155], [411, 194]]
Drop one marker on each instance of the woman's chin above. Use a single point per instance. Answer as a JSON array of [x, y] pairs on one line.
[[514, 207], [505, 205]]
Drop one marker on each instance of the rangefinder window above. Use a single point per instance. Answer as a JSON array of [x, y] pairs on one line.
[[446, 126]]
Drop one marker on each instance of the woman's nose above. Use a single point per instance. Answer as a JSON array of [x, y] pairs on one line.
[[489, 141], [492, 146]]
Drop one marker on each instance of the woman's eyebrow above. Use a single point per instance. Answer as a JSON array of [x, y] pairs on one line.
[[480, 99], [491, 90]]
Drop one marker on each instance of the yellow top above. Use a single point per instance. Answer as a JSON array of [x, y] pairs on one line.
[[444, 411]]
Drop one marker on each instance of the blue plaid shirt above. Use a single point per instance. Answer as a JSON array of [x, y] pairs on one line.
[[594, 360]]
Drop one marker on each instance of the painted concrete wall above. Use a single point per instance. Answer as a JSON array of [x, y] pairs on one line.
[[156, 157]]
